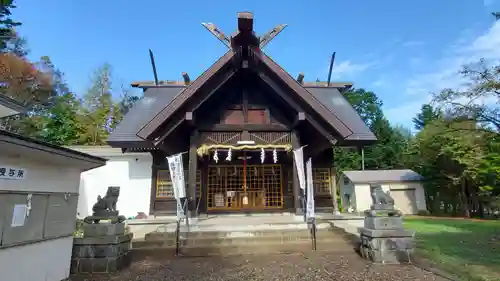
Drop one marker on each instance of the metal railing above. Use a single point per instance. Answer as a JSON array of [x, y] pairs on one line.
[[178, 227], [311, 223]]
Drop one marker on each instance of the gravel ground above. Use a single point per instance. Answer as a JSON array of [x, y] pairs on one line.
[[309, 266]]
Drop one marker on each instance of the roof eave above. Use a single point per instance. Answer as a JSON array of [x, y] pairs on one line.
[[12, 105]]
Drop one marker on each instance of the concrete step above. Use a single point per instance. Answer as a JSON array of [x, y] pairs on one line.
[[154, 236], [225, 250], [228, 241]]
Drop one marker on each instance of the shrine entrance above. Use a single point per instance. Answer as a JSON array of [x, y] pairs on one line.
[[244, 187]]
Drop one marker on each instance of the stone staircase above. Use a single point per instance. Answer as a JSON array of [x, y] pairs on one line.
[[213, 240]]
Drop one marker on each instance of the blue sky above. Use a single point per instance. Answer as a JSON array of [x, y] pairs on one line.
[[402, 50]]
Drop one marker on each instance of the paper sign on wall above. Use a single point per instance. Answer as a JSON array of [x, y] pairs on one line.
[[12, 173], [19, 215]]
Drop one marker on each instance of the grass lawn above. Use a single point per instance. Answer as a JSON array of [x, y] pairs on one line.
[[469, 249]]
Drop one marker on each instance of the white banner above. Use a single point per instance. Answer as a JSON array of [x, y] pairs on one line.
[[178, 184], [310, 191], [299, 164]]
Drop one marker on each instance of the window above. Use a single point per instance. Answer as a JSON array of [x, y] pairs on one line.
[[164, 187], [321, 180]]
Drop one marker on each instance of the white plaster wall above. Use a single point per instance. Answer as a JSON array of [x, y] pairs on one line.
[[419, 192], [41, 177], [364, 200], [131, 172], [363, 197], [44, 261]]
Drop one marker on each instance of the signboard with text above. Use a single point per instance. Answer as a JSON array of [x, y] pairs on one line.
[[12, 173]]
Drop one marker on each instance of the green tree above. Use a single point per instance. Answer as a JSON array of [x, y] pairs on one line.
[[392, 142], [98, 115], [427, 115], [479, 99], [61, 125], [7, 24]]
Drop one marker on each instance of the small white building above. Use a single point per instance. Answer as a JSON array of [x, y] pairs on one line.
[[130, 171], [405, 186], [38, 200]]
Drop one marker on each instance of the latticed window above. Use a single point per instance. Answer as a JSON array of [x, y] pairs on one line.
[[164, 187], [321, 181]]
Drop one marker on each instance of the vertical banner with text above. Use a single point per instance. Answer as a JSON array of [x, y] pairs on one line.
[[298, 155], [178, 184], [310, 191]]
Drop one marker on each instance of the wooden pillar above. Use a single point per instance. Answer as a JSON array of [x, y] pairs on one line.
[[192, 167], [333, 188], [295, 181], [154, 174], [333, 183]]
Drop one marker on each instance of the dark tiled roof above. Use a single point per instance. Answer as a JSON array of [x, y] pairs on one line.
[[145, 109], [156, 98], [338, 104]]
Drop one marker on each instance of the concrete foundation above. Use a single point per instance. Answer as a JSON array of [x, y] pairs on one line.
[[383, 240], [104, 248]]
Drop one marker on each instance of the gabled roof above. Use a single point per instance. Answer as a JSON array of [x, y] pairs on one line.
[[331, 115], [156, 97], [380, 176]]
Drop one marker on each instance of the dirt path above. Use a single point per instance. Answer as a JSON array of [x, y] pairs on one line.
[[311, 266]]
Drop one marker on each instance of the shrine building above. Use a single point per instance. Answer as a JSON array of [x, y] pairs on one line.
[[237, 124]]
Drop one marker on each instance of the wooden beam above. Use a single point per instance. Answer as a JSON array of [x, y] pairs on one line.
[[189, 114], [301, 116], [230, 73], [244, 127], [176, 124], [192, 168], [300, 78], [296, 191], [245, 22], [148, 130], [270, 35], [186, 78], [189, 118], [217, 33], [292, 103]]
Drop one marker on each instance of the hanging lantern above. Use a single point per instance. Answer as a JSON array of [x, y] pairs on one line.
[[229, 152], [216, 156], [275, 156], [262, 155]]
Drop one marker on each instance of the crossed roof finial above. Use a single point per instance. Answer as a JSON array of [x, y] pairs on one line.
[[245, 32]]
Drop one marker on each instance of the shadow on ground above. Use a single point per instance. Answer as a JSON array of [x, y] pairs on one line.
[[299, 266]]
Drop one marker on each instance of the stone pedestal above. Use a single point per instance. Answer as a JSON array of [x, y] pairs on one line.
[[104, 248], [383, 239]]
